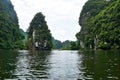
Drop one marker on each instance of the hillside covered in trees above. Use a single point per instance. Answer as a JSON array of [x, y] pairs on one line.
[[100, 25], [66, 45], [10, 35], [38, 33]]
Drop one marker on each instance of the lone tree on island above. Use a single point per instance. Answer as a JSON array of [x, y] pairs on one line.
[[39, 34]]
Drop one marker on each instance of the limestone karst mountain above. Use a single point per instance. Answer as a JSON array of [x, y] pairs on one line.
[[39, 35], [10, 35], [100, 28]]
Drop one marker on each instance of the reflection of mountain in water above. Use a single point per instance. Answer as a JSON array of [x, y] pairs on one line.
[[7, 63], [32, 65], [59, 65]]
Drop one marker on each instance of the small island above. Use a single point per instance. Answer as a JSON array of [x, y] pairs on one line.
[[39, 36]]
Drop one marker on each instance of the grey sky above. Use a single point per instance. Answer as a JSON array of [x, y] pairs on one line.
[[61, 15]]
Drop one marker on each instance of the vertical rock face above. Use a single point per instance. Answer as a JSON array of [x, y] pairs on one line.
[[96, 21], [90, 9], [39, 34], [7, 8], [106, 26], [10, 35]]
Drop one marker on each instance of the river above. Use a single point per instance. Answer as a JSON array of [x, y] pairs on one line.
[[60, 65]]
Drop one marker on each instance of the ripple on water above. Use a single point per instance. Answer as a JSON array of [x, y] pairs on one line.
[[112, 78], [60, 65]]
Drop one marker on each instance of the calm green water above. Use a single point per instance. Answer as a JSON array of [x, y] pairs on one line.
[[60, 65]]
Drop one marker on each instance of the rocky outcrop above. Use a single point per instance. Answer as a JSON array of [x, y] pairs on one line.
[[89, 22], [10, 35], [39, 35]]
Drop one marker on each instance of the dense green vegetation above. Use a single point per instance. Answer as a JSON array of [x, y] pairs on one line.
[[66, 45], [106, 26], [56, 44], [10, 35], [69, 45], [24, 41], [99, 21], [100, 25], [38, 33]]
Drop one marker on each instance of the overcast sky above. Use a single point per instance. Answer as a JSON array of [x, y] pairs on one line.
[[61, 15]]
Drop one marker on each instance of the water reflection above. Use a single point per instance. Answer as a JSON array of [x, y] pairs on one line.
[[101, 65], [7, 63], [64, 65], [60, 65], [39, 64], [22, 66], [32, 65], [54, 65]]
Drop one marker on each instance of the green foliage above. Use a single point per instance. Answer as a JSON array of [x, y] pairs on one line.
[[25, 40], [93, 7], [106, 25], [90, 9], [9, 28], [70, 45], [73, 45], [42, 36], [56, 44], [66, 45], [104, 46], [100, 24]]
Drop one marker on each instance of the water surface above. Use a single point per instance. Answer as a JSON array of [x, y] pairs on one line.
[[60, 65]]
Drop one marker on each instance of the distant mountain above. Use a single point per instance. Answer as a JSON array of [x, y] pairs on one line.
[[56, 44], [66, 45], [25, 35], [10, 35]]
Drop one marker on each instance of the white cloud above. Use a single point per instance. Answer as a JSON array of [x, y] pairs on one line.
[[61, 15]]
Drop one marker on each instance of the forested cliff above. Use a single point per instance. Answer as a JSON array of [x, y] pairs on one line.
[[38, 33], [100, 25], [10, 35]]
